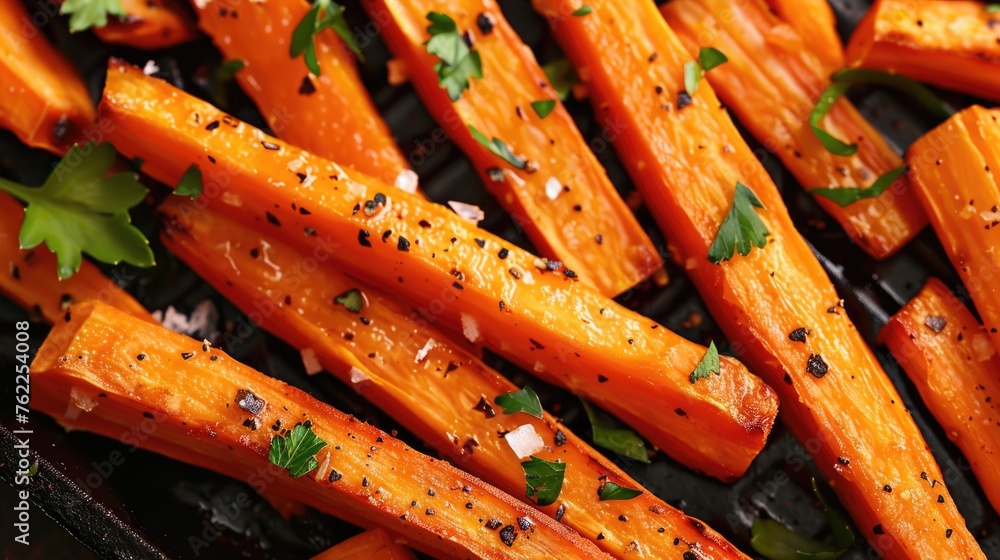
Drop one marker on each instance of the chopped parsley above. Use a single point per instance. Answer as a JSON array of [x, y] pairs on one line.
[[84, 14], [992, 8], [612, 491], [80, 210], [622, 441], [525, 400], [694, 70], [543, 107], [845, 196], [459, 63], [775, 541], [708, 365], [583, 10], [296, 451], [190, 184], [499, 148], [741, 230], [351, 299], [324, 14], [561, 77], [544, 479]]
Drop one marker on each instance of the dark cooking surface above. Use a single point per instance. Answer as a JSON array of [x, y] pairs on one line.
[[150, 506]]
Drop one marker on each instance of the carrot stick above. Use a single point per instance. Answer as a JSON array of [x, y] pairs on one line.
[[776, 303], [419, 375], [105, 371], [458, 275], [950, 358], [374, 544], [149, 25], [772, 82], [330, 115], [560, 195], [814, 22], [953, 44], [956, 173], [53, 107]]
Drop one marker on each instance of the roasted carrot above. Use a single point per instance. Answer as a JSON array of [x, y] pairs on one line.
[[528, 309], [956, 173], [374, 544], [552, 185], [772, 82], [953, 44], [149, 25], [104, 371], [776, 303], [422, 377], [53, 107], [330, 115], [813, 21], [949, 357]]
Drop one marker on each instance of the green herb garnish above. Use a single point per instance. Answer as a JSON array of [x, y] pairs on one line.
[[297, 450], [190, 184], [741, 230], [543, 107], [544, 479], [459, 63], [622, 441], [992, 8], [351, 299], [324, 14], [499, 148], [775, 541], [708, 365], [612, 491], [845, 196], [84, 14], [525, 400], [561, 77], [79, 210], [224, 73], [583, 10], [694, 70]]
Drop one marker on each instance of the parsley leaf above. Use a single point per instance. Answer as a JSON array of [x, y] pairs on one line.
[[499, 148], [708, 365], [525, 400], [84, 14], [694, 70], [351, 299], [606, 434], [79, 210], [562, 77], [459, 63], [842, 81], [775, 541], [583, 10], [543, 107], [544, 479], [741, 230], [612, 491], [324, 14], [190, 184], [992, 8], [845, 196], [297, 450]]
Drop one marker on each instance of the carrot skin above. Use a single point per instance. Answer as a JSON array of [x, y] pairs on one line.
[[619, 360], [149, 25], [374, 544], [949, 357], [686, 163], [563, 199], [815, 23], [956, 172], [772, 82], [953, 44]]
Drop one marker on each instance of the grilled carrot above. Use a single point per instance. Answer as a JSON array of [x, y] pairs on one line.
[[149, 25], [374, 544], [330, 115], [953, 44], [949, 357], [53, 107], [771, 82], [812, 21], [775, 303], [104, 371], [956, 173], [426, 380], [528, 309], [554, 187]]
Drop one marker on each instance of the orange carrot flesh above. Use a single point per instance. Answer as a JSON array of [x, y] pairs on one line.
[[374, 544], [953, 44], [772, 82], [149, 25], [814, 22], [330, 115], [460, 276], [53, 106], [949, 357], [562, 198], [686, 163], [422, 377], [956, 172], [29, 277], [105, 371]]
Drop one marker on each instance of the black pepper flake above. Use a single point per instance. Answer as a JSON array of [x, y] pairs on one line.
[[254, 253], [799, 334], [458, 286], [507, 535], [468, 505], [493, 524], [334, 476], [680, 412], [480, 242], [363, 238], [599, 239], [495, 174], [569, 273], [269, 145], [947, 534], [600, 536], [878, 530], [683, 100], [357, 208], [424, 224], [560, 512], [307, 87], [503, 253], [141, 357], [515, 273], [364, 481], [623, 518], [560, 438], [214, 357], [452, 366], [524, 523], [940, 499], [843, 460], [816, 366], [887, 488], [187, 355], [249, 402], [251, 423], [147, 415], [386, 234], [403, 244], [485, 22], [536, 344], [212, 125], [688, 555], [272, 220], [935, 323], [602, 379], [487, 409]]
